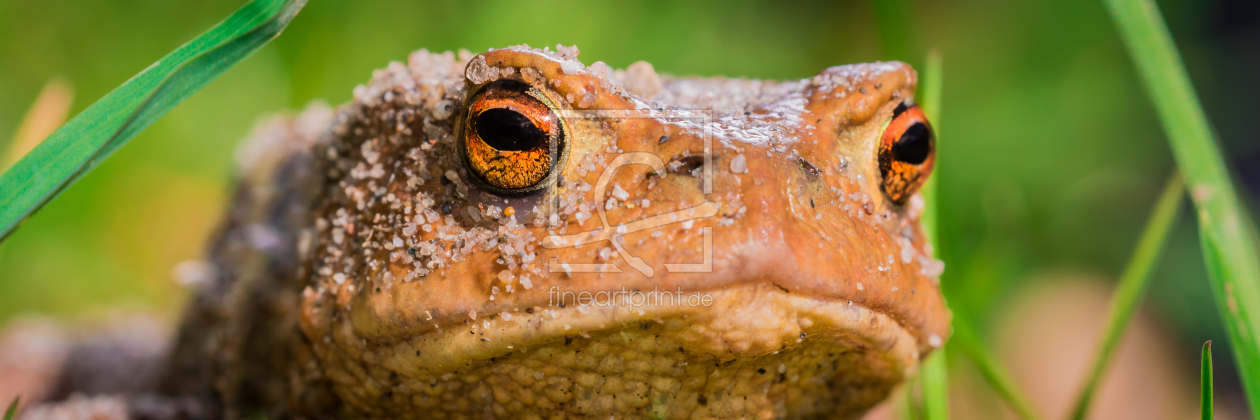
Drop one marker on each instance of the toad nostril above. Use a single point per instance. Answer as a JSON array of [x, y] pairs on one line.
[[686, 165], [808, 167]]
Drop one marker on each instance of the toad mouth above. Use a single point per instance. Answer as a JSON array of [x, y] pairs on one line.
[[745, 321]]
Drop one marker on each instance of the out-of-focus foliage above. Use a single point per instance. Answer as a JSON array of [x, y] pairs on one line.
[[56, 161], [1226, 232], [9, 412], [1053, 158], [1205, 383]]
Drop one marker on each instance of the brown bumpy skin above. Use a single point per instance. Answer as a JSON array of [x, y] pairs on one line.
[[772, 279]]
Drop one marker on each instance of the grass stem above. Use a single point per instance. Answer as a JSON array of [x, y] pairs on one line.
[[1227, 237], [966, 338], [1133, 285], [1205, 382], [933, 374], [12, 410]]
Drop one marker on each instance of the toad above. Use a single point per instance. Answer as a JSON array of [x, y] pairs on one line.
[[517, 234]]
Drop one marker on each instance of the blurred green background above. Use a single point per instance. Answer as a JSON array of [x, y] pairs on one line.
[[1051, 154]]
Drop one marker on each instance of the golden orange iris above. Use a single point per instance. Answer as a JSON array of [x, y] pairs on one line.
[[513, 139], [907, 152]]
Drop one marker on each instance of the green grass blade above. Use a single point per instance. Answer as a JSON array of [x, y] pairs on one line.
[[96, 133], [1229, 249], [1205, 382], [933, 376], [930, 100], [12, 410], [935, 385], [907, 409], [966, 338], [932, 83], [1133, 285]]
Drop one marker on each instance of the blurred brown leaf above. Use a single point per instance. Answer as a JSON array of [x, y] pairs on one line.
[[45, 116]]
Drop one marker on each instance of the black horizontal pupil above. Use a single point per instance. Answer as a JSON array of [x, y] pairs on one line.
[[914, 146], [508, 130]]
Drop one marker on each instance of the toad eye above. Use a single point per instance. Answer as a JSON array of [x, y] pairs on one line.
[[513, 139], [907, 152]]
